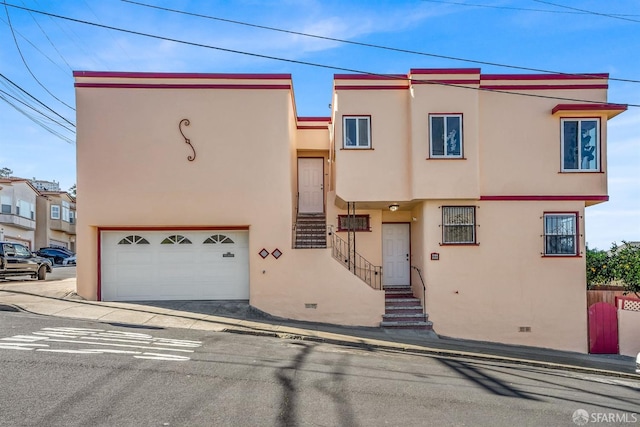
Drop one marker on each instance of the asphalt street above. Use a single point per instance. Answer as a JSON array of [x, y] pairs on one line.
[[61, 372]]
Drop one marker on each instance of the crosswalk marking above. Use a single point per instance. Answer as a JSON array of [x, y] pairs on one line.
[[100, 341]]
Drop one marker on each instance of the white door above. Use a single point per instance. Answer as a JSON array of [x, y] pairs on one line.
[[395, 254], [174, 265], [311, 185]]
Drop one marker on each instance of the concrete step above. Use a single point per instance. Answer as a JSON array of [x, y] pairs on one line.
[[413, 309], [424, 326], [396, 287], [402, 302], [398, 294], [404, 317]]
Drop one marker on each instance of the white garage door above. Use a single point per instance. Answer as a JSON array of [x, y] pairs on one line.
[[174, 265]]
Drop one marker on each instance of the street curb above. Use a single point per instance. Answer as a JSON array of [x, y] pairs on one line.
[[357, 342]]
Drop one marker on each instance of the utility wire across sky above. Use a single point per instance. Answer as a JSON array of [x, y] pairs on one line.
[[311, 64]]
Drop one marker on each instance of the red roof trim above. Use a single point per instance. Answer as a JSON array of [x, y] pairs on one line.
[[444, 71], [356, 87], [369, 76], [582, 76], [313, 127], [544, 198], [588, 107], [180, 86], [445, 81], [136, 75], [314, 119], [543, 87]]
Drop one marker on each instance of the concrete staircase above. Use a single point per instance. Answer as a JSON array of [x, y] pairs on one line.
[[310, 231], [403, 310]]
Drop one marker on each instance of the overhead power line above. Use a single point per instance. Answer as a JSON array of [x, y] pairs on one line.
[[369, 45], [607, 15], [37, 120], [37, 48], [24, 61], [35, 99], [521, 9], [31, 107], [312, 64]]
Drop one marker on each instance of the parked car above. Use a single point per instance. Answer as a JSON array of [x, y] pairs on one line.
[[69, 261], [57, 255], [17, 260], [638, 364]]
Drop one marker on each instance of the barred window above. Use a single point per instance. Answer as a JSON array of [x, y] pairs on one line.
[[353, 223], [458, 224], [560, 234]]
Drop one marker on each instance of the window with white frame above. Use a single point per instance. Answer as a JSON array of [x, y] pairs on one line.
[[580, 144], [560, 234], [72, 217], [55, 211], [25, 209], [65, 211], [445, 135], [357, 131], [5, 202], [458, 224]]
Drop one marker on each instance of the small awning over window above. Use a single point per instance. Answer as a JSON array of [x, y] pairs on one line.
[[611, 110]]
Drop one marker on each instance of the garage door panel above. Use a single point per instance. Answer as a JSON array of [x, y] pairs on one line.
[[156, 271]]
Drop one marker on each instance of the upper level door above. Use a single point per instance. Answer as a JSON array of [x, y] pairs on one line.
[[396, 245], [311, 185]]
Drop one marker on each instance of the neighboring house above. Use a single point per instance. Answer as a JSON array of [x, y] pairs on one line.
[[43, 185], [56, 211], [18, 211], [209, 186]]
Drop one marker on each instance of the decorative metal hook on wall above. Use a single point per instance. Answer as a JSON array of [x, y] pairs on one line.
[[186, 122]]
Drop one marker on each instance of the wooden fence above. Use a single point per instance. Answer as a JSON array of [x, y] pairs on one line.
[[606, 294]]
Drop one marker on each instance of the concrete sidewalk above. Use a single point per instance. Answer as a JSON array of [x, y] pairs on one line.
[[58, 298]]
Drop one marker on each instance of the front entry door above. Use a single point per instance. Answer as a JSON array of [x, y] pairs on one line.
[[311, 185], [395, 254]]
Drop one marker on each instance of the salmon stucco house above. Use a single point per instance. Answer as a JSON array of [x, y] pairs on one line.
[[441, 191]]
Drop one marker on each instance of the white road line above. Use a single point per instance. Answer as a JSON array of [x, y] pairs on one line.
[[19, 344], [72, 329], [3, 347], [118, 340], [122, 345], [24, 338], [156, 356], [53, 334], [107, 350], [101, 337]]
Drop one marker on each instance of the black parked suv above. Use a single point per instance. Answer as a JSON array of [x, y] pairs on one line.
[[17, 260], [56, 255]]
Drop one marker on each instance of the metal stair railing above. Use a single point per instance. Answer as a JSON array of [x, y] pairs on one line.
[[424, 288], [354, 262]]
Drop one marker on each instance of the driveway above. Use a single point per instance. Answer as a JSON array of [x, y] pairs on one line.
[[59, 283]]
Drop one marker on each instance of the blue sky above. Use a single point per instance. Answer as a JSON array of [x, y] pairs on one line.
[[533, 34]]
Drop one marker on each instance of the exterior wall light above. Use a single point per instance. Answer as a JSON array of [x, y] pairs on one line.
[[394, 207]]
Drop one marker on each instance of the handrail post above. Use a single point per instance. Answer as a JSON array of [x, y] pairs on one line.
[[424, 288]]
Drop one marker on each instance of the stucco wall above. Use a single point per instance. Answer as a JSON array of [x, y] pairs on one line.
[[629, 332], [488, 291], [521, 141], [133, 171], [382, 172]]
